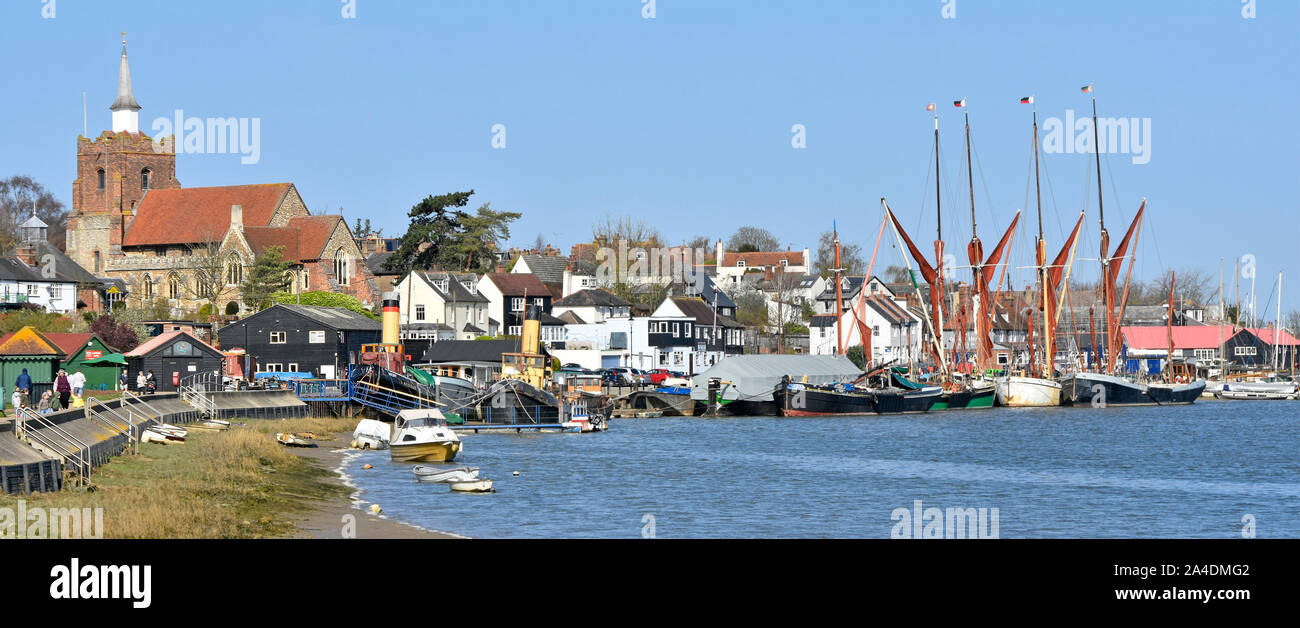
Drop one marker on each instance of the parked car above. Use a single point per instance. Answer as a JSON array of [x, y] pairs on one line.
[[624, 376], [657, 376]]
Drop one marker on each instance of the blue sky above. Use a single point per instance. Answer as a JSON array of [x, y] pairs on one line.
[[685, 119]]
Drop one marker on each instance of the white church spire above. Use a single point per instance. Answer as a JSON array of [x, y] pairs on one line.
[[126, 111]]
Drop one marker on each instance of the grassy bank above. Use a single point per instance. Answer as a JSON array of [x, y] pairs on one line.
[[234, 484]]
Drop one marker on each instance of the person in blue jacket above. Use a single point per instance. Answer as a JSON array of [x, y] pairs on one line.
[[24, 381]]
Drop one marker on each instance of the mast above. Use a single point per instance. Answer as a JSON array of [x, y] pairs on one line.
[[839, 298], [936, 289], [1108, 293], [1222, 315], [1169, 329], [1040, 252], [976, 251], [1277, 327]]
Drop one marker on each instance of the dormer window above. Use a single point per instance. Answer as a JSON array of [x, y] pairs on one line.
[[785, 262], [740, 263]]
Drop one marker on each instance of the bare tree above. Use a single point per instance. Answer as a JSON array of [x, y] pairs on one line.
[[635, 231], [850, 256], [750, 239], [21, 195], [207, 269]]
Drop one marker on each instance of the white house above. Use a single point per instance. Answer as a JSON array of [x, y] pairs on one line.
[[731, 266], [440, 304], [895, 331], [591, 306], [21, 284]]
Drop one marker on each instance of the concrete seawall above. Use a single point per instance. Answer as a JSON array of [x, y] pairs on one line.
[[25, 469]]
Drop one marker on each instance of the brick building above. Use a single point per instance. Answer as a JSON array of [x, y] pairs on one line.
[[132, 220]]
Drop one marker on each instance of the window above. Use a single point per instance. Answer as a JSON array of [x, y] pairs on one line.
[[56, 291], [1244, 351], [676, 330], [145, 176], [688, 329], [875, 330], [419, 312], [234, 270], [539, 302], [147, 287], [342, 269], [1205, 355], [785, 262], [316, 336], [32, 290], [102, 178], [293, 367], [306, 279], [517, 304], [278, 337], [273, 367], [97, 260], [740, 263], [173, 287], [513, 330]]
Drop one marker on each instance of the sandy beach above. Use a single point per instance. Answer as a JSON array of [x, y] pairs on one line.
[[328, 521]]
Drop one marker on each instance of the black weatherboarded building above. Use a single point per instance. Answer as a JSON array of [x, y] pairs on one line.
[[303, 338]]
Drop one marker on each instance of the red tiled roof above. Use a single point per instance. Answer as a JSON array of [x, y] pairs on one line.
[[189, 215], [314, 233], [764, 258], [518, 283], [303, 239], [262, 238], [69, 343]]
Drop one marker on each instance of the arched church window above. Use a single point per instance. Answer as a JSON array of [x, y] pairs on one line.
[[234, 270], [101, 178], [173, 286], [145, 176], [146, 291], [342, 270]]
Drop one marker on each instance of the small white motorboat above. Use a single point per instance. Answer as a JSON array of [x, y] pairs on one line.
[[472, 486], [371, 434], [426, 473], [154, 436], [423, 436]]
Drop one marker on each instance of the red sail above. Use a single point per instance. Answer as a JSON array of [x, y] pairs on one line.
[[1113, 317], [1054, 274], [984, 346], [933, 278]]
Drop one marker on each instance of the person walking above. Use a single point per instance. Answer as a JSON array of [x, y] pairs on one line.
[[63, 387], [78, 381], [24, 381]]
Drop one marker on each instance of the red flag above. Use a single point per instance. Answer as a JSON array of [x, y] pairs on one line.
[[929, 107]]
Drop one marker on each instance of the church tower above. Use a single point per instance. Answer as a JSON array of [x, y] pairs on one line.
[[114, 173]]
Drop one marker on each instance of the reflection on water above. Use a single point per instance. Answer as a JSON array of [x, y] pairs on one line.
[[1122, 472]]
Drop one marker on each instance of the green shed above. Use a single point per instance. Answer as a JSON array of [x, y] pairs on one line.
[[80, 348], [31, 350]]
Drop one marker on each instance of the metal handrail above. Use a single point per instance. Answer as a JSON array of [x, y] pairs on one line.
[[200, 400], [80, 453], [137, 399], [93, 413]]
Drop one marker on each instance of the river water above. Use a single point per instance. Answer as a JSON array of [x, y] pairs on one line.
[[1200, 471]]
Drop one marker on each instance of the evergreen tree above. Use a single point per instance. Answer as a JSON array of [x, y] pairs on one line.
[[269, 274]]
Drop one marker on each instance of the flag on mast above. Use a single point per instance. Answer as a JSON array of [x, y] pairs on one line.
[[959, 103], [1028, 100], [929, 107], [1087, 88]]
